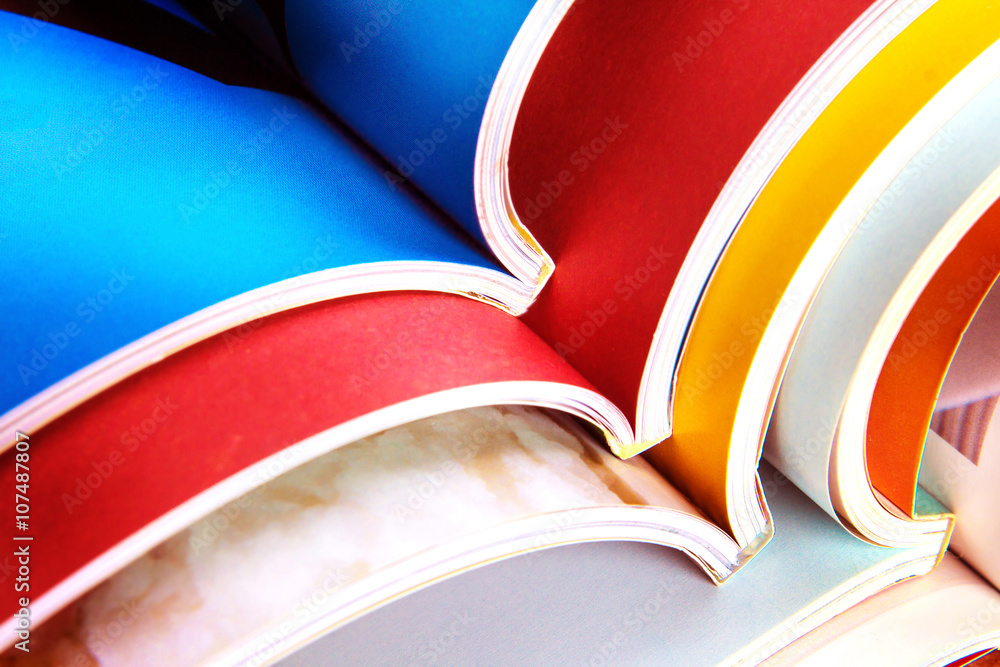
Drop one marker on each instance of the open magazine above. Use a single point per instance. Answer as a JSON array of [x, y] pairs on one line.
[[247, 235]]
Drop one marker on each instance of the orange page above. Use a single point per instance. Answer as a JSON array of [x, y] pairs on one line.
[[914, 372]]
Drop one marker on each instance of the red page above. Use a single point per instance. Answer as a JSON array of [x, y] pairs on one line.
[[990, 657], [636, 116], [152, 442]]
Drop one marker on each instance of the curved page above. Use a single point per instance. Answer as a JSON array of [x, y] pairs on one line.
[[931, 620], [657, 607], [340, 521], [606, 139], [166, 446], [412, 78], [363, 524], [746, 320], [924, 349], [635, 117], [862, 281], [138, 193], [646, 595], [975, 371]]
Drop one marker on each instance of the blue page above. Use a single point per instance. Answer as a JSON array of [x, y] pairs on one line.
[[410, 77], [134, 192]]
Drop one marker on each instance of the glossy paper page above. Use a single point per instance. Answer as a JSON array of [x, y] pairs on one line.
[[142, 448], [636, 116], [861, 283], [746, 289], [656, 607], [975, 370], [968, 483], [135, 193], [412, 78], [369, 520], [928, 620], [915, 370]]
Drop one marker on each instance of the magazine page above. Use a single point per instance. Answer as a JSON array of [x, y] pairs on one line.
[[182, 206]]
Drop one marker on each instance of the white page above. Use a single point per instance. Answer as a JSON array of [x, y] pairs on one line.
[[972, 492], [873, 263]]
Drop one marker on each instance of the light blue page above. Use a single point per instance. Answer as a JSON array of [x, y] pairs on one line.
[[134, 192], [611, 603]]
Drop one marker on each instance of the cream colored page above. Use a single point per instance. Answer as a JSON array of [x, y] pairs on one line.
[[935, 164], [975, 371], [930, 620], [972, 492], [285, 553]]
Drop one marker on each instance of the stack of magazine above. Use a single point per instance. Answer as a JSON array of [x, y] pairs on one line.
[[555, 332]]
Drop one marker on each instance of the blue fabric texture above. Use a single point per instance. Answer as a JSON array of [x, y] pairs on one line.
[[134, 192], [411, 77]]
